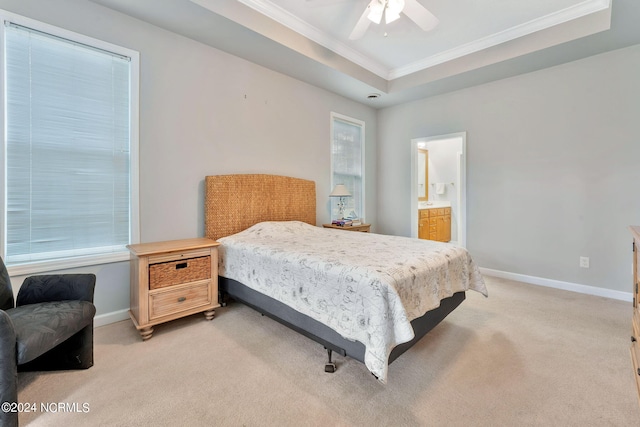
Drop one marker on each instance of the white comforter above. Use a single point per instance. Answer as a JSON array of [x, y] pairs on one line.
[[365, 286]]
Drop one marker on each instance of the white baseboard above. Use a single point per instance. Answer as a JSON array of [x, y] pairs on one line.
[[113, 317], [558, 284]]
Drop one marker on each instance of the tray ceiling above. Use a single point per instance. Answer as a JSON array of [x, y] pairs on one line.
[[474, 42]]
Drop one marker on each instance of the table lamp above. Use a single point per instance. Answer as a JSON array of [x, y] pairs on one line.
[[340, 191]]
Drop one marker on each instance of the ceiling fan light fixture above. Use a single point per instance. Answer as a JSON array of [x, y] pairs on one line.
[[392, 10], [390, 17], [376, 10]]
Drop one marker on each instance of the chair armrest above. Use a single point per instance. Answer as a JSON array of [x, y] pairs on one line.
[[56, 287]]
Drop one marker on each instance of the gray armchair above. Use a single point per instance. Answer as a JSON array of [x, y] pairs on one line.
[[49, 328]]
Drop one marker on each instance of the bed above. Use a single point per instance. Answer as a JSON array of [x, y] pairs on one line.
[[366, 296]]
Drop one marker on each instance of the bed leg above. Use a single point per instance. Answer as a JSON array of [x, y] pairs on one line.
[[329, 366], [221, 299]]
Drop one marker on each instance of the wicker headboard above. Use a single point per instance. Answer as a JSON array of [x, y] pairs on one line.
[[236, 202]]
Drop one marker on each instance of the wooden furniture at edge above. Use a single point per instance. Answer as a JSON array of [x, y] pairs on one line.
[[366, 228], [172, 279], [434, 224], [635, 331]]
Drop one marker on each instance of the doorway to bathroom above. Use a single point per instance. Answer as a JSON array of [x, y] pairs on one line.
[[438, 179]]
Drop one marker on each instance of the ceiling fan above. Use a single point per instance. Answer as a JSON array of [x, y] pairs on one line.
[[391, 10]]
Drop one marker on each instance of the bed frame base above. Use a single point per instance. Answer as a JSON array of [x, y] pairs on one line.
[[318, 332]]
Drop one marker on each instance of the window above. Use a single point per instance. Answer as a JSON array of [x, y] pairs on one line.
[[70, 148], [347, 163]]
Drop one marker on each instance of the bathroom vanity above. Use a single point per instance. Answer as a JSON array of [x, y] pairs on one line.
[[434, 221]]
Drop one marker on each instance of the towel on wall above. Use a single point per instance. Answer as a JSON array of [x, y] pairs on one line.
[[440, 188]]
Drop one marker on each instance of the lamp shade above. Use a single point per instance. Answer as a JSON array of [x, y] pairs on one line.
[[340, 191]]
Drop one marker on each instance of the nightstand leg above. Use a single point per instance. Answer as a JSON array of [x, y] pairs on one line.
[[146, 333], [209, 314]]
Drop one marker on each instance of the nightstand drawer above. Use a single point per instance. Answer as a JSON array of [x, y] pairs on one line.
[[182, 298], [182, 271]]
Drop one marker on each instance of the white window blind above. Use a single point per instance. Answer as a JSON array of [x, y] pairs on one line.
[[67, 130], [347, 163]]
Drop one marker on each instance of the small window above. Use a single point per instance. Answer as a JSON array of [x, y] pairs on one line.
[[70, 149], [347, 164]]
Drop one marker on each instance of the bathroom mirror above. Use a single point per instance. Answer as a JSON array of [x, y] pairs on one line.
[[423, 175], [444, 180]]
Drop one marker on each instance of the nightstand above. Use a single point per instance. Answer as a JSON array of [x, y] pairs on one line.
[[362, 227], [172, 279]]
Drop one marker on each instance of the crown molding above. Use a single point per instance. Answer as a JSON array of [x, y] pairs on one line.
[[560, 17], [300, 26]]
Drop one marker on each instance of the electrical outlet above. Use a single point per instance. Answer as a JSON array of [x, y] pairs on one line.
[[584, 261]]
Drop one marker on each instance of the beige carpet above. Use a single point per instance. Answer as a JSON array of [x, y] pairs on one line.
[[525, 356]]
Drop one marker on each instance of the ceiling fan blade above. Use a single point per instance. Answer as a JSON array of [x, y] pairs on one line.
[[418, 14], [362, 24]]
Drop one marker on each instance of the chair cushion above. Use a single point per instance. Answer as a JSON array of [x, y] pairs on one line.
[[41, 327]]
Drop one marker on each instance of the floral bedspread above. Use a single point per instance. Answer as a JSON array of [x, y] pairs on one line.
[[367, 287]]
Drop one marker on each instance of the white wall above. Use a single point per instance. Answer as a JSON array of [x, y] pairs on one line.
[[552, 167], [204, 112]]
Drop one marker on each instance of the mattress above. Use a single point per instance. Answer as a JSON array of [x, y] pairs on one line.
[[367, 287]]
